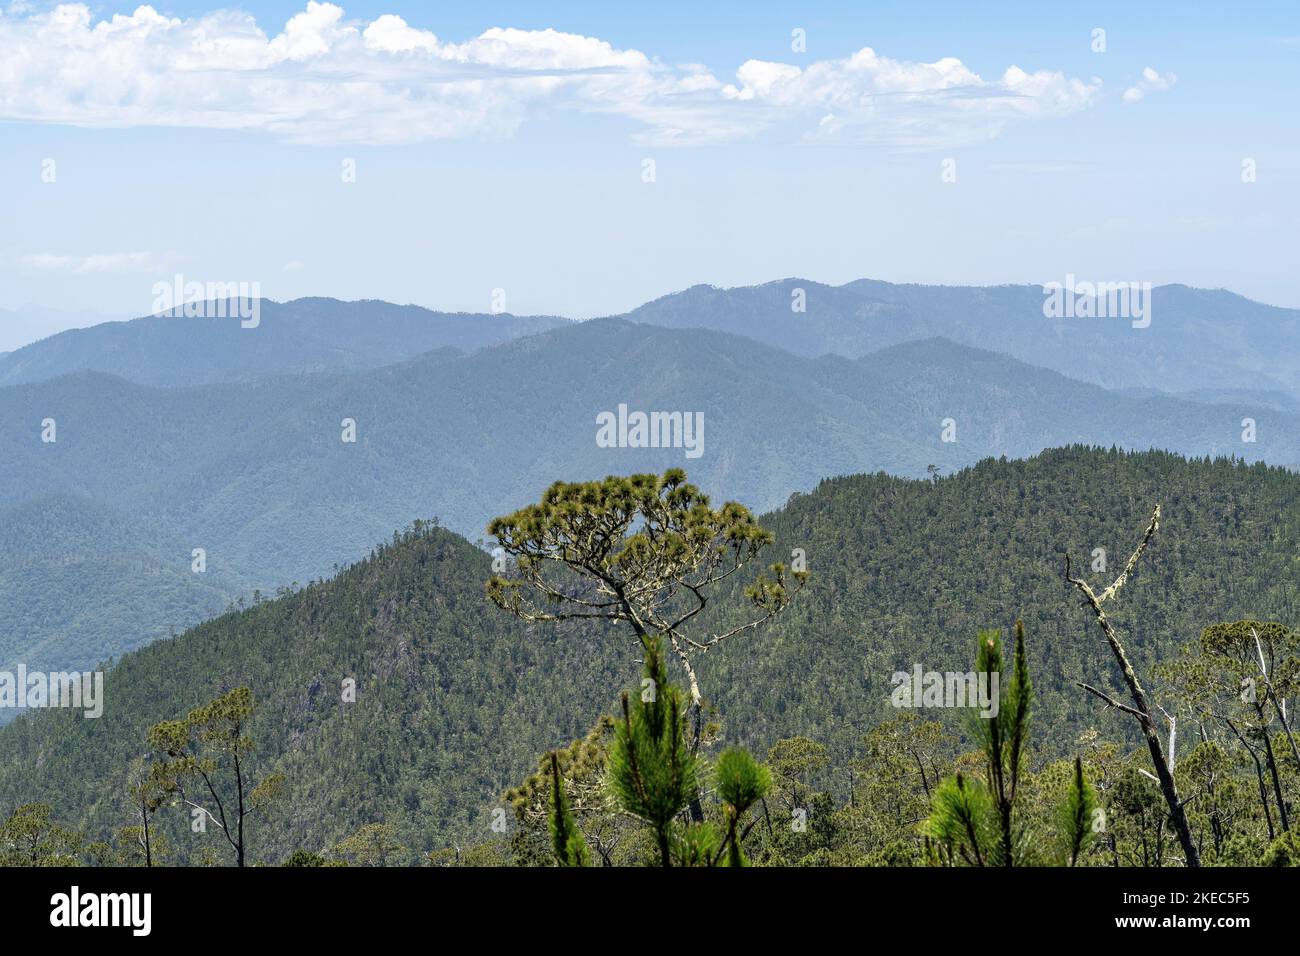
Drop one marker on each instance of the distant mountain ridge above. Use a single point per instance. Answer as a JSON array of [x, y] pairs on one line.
[[1211, 341], [30, 323], [258, 475], [304, 335], [1197, 338]]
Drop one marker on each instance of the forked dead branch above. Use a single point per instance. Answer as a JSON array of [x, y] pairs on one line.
[[1141, 708]]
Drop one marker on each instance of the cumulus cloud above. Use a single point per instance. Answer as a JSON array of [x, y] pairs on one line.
[[327, 79], [871, 98], [1152, 82], [99, 262]]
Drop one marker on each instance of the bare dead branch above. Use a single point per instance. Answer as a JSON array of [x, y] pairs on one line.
[[1110, 701]]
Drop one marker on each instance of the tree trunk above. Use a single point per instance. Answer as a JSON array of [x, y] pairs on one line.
[[1141, 709], [1259, 776], [1272, 769]]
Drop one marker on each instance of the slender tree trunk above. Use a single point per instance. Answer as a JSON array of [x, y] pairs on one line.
[[239, 786], [1272, 769], [921, 767], [1259, 776], [696, 721], [1141, 709], [1142, 712], [1006, 834], [1277, 704], [1286, 727], [1216, 824], [144, 819]]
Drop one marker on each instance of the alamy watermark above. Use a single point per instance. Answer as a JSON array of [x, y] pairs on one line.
[[130, 910], [922, 688], [626, 429], [84, 691], [209, 300], [1098, 300]]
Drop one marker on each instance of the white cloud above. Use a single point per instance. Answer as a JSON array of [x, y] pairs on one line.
[[325, 79], [390, 34], [871, 98], [1152, 82], [95, 263]]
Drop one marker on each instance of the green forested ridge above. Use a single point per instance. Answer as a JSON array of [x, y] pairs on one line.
[[257, 475], [68, 560], [451, 699], [905, 572], [455, 700]]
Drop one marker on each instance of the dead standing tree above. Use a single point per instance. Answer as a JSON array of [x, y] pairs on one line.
[[1141, 709]]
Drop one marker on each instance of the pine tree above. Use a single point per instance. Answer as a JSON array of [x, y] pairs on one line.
[[652, 773], [208, 753], [1004, 734], [643, 550], [980, 823], [1076, 815], [654, 776], [570, 847], [742, 782]]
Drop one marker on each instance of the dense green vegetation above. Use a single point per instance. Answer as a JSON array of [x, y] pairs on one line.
[[456, 699], [68, 561], [452, 700], [257, 474], [906, 572]]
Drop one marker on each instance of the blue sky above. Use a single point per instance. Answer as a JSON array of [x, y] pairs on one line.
[[212, 145]]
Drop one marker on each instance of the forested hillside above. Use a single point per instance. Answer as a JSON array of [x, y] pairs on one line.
[[71, 566], [455, 699], [906, 572], [452, 703], [258, 473]]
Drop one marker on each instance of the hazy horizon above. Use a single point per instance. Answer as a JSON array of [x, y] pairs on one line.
[[15, 333], [583, 161]]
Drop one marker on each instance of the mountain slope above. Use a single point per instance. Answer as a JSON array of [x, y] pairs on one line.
[[1197, 338], [450, 701], [20, 327], [836, 321], [1211, 341], [303, 335], [74, 571], [455, 699], [257, 474]]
